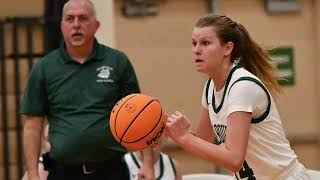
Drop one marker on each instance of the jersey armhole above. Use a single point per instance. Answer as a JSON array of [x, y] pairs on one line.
[[266, 113]]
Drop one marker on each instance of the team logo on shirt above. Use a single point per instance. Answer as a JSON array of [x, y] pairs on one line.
[[220, 132], [104, 74]]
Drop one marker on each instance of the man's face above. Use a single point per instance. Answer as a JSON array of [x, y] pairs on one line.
[[78, 23]]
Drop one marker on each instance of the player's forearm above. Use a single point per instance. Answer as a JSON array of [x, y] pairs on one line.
[[218, 155], [32, 144], [148, 160]]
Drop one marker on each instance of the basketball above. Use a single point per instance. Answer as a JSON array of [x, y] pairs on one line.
[[137, 121]]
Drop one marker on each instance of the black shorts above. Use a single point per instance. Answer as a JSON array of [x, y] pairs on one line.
[[114, 168]]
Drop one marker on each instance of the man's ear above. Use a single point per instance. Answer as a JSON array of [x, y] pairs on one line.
[[228, 47], [97, 25]]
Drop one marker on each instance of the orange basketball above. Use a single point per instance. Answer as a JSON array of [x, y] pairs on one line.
[[137, 121]]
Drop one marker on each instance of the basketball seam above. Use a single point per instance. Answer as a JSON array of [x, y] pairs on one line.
[[115, 121], [146, 134], [135, 119]]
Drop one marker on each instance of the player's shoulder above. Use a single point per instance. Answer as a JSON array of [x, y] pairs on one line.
[[242, 72], [242, 78]]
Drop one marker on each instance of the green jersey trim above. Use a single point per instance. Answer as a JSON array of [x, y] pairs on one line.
[[172, 165], [217, 109], [266, 113]]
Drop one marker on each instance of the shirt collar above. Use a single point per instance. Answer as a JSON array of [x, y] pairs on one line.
[[96, 54]]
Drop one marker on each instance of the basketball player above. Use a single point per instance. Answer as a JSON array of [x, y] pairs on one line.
[[237, 106], [165, 167]]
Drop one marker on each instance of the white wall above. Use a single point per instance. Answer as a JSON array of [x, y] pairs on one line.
[[105, 14]]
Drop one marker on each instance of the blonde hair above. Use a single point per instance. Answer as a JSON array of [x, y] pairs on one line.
[[247, 52]]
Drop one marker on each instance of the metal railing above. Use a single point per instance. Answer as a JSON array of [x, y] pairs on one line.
[[12, 30]]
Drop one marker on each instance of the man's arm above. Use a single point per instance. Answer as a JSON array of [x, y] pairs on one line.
[[147, 170], [32, 132]]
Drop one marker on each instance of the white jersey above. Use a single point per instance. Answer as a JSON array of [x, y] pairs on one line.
[[268, 155], [164, 167]]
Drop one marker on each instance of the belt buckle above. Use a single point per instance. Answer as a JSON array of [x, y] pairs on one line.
[[86, 171]]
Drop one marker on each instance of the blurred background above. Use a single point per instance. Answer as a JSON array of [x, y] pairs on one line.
[[156, 35]]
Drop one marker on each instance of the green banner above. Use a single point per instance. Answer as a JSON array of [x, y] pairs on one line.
[[282, 58]]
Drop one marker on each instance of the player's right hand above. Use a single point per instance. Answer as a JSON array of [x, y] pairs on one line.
[[177, 126]]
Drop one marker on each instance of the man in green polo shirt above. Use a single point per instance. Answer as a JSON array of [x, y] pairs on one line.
[[75, 88]]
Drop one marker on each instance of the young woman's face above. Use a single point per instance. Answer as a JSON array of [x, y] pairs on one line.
[[208, 53]]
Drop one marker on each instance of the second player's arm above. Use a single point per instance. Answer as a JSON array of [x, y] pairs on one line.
[[147, 170]]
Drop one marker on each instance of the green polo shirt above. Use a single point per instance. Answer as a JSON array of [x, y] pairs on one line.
[[77, 100]]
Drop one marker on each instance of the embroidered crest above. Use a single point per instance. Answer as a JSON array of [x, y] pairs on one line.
[[104, 74]]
